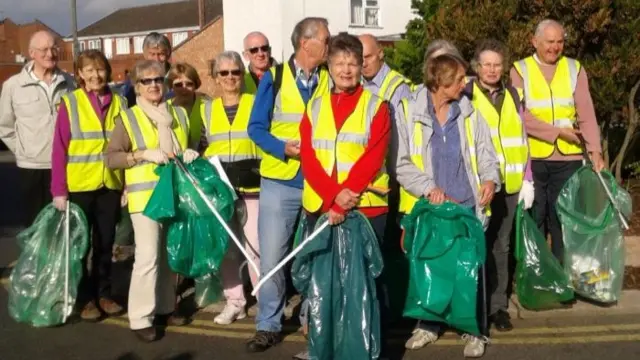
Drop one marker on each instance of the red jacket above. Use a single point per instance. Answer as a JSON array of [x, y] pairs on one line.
[[363, 171]]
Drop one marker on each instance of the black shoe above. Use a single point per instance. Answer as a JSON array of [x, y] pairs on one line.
[[263, 340], [173, 319], [502, 321], [148, 335]]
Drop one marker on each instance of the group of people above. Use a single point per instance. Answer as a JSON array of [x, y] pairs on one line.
[[333, 129]]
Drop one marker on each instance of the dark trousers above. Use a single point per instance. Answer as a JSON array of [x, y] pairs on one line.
[[503, 210], [102, 209], [548, 179], [34, 187]]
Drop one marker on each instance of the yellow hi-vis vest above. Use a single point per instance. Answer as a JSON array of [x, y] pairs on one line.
[[342, 149], [86, 170], [141, 178], [416, 144], [285, 124], [552, 103], [250, 86], [230, 142], [508, 137], [390, 84], [195, 122]]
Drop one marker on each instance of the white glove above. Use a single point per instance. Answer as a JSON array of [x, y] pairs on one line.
[[155, 156], [60, 203], [124, 200], [189, 156], [527, 194]]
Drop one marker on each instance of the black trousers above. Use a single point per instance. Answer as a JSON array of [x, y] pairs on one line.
[[548, 179], [102, 209], [35, 192]]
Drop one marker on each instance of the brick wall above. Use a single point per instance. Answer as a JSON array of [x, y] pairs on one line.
[[9, 41], [8, 70], [199, 51]]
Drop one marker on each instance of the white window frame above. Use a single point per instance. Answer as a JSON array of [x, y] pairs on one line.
[[82, 45], [363, 15], [94, 44], [123, 46], [138, 41], [178, 38]]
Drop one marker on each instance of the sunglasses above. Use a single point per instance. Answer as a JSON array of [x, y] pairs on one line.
[[185, 84], [149, 81], [263, 48], [232, 72]]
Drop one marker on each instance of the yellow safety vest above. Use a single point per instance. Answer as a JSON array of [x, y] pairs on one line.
[[342, 149], [390, 84], [141, 179], [230, 142], [552, 103], [86, 170], [416, 144], [250, 86], [195, 122], [508, 137], [285, 124]]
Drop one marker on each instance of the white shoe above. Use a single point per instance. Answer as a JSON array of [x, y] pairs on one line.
[[420, 339], [474, 346], [229, 314]]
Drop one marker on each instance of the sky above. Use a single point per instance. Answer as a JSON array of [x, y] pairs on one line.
[[57, 13]]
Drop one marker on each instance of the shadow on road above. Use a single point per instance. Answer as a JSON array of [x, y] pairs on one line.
[[11, 205], [133, 356]]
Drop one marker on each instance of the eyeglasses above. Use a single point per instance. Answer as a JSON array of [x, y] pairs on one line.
[[149, 81], [236, 72], [264, 48], [186, 84], [53, 49], [491, 66]]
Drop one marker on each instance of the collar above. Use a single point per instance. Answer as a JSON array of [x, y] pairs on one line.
[[537, 59], [54, 76], [486, 91], [300, 72], [381, 75]]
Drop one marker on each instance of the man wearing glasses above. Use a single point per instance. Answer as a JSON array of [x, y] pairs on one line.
[[257, 52], [28, 110]]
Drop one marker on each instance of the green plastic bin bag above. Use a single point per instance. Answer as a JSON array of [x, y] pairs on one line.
[[124, 228], [336, 273], [445, 245], [592, 234], [36, 290], [541, 283], [196, 240], [208, 290]]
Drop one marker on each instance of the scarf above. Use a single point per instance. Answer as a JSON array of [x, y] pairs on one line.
[[162, 118]]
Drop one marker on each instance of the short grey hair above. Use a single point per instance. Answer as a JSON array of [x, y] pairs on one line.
[[439, 47], [545, 24], [156, 40], [227, 56], [144, 66], [307, 28]]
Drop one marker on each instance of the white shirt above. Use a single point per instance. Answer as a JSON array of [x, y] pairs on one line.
[[48, 88]]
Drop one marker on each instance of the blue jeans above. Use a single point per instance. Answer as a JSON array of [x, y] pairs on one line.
[[277, 215]]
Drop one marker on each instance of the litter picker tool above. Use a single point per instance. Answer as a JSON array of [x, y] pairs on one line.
[[67, 309], [295, 252]]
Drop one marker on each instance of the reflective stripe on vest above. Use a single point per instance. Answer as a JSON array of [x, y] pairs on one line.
[[141, 178], [85, 169], [341, 150], [287, 113], [507, 135], [552, 103], [390, 84]]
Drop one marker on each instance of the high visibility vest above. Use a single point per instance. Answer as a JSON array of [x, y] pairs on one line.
[[230, 142], [552, 103], [250, 86], [141, 179], [390, 84], [195, 122], [285, 124], [340, 150], [416, 144], [508, 137], [86, 170]]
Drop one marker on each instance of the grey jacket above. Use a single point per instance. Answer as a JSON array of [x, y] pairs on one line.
[[418, 182], [28, 115]]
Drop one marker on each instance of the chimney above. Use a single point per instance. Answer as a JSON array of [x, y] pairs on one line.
[[201, 14]]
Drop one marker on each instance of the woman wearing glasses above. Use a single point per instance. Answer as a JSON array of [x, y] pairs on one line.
[[183, 79], [145, 136], [226, 119]]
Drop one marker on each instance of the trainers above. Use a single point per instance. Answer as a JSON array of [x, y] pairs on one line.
[[90, 312], [303, 355], [420, 339], [229, 314], [263, 340], [474, 345], [110, 307]]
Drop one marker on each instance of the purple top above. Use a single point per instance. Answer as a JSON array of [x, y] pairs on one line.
[[62, 136]]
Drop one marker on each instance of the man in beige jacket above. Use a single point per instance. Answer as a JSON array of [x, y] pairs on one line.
[[28, 109]]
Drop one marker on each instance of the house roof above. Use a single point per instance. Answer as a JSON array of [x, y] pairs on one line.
[[153, 17]]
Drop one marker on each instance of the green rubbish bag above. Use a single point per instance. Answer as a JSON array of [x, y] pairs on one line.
[[592, 234], [541, 282], [336, 273], [36, 290], [124, 229], [196, 241], [208, 290], [445, 245]]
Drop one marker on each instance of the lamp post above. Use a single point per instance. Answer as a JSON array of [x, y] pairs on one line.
[[74, 28]]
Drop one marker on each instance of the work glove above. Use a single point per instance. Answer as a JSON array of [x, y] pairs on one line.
[[155, 156], [60, 203], [527, 194], [189, 156]]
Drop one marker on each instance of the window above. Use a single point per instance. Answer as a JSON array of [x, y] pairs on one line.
[[178, 38], [94, 44], [122, 46], [137, 44], [365, 13], [82, 45]]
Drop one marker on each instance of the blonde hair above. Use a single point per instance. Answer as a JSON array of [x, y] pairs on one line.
[[442, 71]]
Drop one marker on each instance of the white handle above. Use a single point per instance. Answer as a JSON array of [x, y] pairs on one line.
[[624, 222], [67, 245]]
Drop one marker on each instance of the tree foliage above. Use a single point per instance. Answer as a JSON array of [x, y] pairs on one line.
[[603, 34]]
